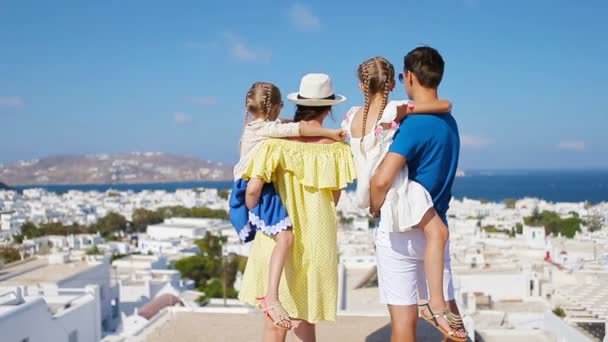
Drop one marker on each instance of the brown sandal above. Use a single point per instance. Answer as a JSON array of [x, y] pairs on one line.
[[454, 321], [281, 317]]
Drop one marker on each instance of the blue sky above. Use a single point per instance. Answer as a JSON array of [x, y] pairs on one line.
[[527, 77]]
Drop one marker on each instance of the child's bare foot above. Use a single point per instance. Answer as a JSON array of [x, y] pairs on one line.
[[448, 323]]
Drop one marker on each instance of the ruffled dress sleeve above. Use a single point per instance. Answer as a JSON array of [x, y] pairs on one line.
[[319, 166]]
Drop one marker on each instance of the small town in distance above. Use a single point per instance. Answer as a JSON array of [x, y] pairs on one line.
[[124, 265]]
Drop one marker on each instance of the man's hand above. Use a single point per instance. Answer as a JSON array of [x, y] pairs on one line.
[[374, 214]]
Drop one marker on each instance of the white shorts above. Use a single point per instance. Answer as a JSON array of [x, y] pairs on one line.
[[401, 275]]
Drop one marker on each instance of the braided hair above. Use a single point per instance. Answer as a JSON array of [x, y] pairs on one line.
[[376, 75], [261, 100]]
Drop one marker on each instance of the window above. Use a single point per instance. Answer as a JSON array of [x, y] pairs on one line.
[[534, 235], [531, 287], [73, 336], [115, 308]]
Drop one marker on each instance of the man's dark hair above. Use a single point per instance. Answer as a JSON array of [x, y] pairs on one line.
[[427, 64]]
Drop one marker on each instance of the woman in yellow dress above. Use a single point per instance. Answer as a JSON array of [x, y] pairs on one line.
[[308, 174]]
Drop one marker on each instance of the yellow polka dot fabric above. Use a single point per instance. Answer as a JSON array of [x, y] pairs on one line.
[[305, 175]]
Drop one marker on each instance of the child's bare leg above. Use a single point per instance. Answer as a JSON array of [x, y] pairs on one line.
[[436, 233], [284, 242]]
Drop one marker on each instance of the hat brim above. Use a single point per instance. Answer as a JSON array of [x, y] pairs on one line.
[[293, 97]]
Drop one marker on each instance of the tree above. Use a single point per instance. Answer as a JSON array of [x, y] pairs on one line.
[[93, 251], [223, 194], [200, 212], [346, 220], [109, 225], [9, 254], [519, 228], [142, 218], [209, 269], [594, 222], [554, 224], [194, 268], [559, 312], [29, 230], [510, 203]]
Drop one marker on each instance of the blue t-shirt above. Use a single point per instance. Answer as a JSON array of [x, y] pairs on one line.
[[431, 145]]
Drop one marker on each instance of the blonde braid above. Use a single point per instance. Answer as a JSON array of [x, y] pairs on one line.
[[267, 100], [248, 99], [365, 82], [389, 72]]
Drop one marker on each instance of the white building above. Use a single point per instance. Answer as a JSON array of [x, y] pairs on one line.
[[176, 228], [34, 315], [138, 288], [535, 236], [133, 263], [76, 242], [64, 271]]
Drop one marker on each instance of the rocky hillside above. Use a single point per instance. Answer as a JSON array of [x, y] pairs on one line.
[[151, 167]]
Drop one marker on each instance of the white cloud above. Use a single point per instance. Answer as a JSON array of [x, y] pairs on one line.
[[572, 145], [475, 141], [241, 51], [11, 101], [204, 101], [303, 19], [182, 118]]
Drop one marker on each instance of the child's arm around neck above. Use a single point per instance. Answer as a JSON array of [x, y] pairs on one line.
[[431, 107], [283, 129]]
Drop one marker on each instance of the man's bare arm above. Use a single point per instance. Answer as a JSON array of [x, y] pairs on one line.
[[383, 179]]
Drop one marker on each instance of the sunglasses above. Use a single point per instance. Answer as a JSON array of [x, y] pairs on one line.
[[400, 77]]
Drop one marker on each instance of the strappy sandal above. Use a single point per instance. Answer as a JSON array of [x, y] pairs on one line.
[[454, 321], [281, 317]]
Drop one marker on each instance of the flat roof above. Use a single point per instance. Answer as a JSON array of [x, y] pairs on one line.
[[194, 326], [40, 271]]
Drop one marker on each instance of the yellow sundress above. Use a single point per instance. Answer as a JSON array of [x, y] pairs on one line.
[[304, 175]]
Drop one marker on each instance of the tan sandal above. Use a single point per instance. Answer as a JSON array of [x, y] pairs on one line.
[[454, 321], [276, 313]]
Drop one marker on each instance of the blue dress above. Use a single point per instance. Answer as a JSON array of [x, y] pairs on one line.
[[269, 216]]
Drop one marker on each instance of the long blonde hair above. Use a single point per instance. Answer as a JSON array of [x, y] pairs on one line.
[[377, 75]]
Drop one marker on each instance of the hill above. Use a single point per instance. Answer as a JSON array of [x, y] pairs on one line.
[[150, 167]]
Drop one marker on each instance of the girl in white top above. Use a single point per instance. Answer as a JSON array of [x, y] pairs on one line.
[[408, 205], [407, 201], [262, 209]]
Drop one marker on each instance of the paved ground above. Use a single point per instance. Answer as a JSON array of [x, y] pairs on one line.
[[204, 327]]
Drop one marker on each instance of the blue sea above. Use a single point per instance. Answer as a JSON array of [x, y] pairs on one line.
[[555, 186]]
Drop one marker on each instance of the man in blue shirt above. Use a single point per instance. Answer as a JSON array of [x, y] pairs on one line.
[[429, 145]]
